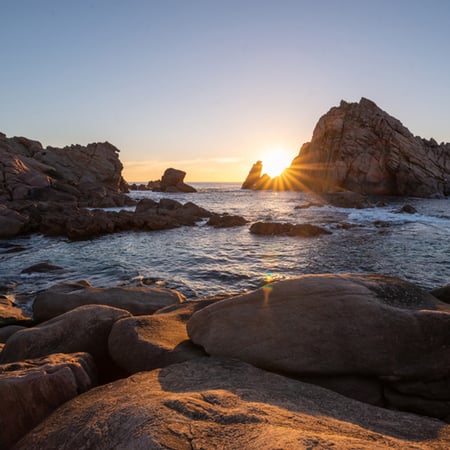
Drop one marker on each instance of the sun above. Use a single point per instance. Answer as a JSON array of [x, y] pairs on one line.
[[275, 161]]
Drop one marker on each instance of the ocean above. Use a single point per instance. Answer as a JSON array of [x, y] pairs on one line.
[[202, 261]]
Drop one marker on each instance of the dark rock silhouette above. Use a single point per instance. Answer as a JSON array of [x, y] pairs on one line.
[[173, 181]]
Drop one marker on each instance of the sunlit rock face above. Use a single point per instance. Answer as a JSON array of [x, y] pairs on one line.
[[359, 147]]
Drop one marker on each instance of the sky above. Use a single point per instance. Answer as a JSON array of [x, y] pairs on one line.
[[210, 87]]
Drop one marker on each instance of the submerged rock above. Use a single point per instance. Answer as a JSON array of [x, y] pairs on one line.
[[215, 403], [287, 229]]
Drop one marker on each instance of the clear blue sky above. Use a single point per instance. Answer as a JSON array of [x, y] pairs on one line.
[[210, 86]]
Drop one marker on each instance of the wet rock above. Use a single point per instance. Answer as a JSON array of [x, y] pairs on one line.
[[309, 205], [347, 200], [84, 329], [408, 209], [66, 296], [226, 221], [30, 390], [287, 229], [331, 325], [157, 341], [146, 205], [214, 403], [42, 268]]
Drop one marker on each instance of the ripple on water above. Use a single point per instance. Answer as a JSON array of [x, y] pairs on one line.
[[202, 261]]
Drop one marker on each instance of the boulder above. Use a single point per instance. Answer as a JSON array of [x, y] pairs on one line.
[[226, 221], [287, 229], [346, 324], [359, 147], [30, 390], [9, 330], [10, 314], [173, 181], [84, 329], [214, 403], [157, 341], [66, 296]]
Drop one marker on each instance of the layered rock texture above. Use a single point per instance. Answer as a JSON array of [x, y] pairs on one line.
[[359, 147]]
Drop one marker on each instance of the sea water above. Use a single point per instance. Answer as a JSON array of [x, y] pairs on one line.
[[203, 261]]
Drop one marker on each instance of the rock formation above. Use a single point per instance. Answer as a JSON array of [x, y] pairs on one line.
[[85, 175], [220, 403], [173, 181], [359, 147], [340, 325]]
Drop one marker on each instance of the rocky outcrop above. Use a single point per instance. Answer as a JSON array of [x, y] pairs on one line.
[[359, 147], [84, 175], [332, 325], [80, 223], [173, 181], [66, 296], [253, 176], [32, 389], [219, 403]]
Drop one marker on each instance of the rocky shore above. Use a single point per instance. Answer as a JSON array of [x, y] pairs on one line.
[[342, 361]]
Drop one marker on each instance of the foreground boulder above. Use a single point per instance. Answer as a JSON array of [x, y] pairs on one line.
[[214, 403], [331, 325], [32, 389], [157, 341], [359, 147], [335, 324], [84, 329], [66, 296]]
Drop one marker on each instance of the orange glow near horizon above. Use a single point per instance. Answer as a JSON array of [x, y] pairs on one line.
[[275, 162]]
